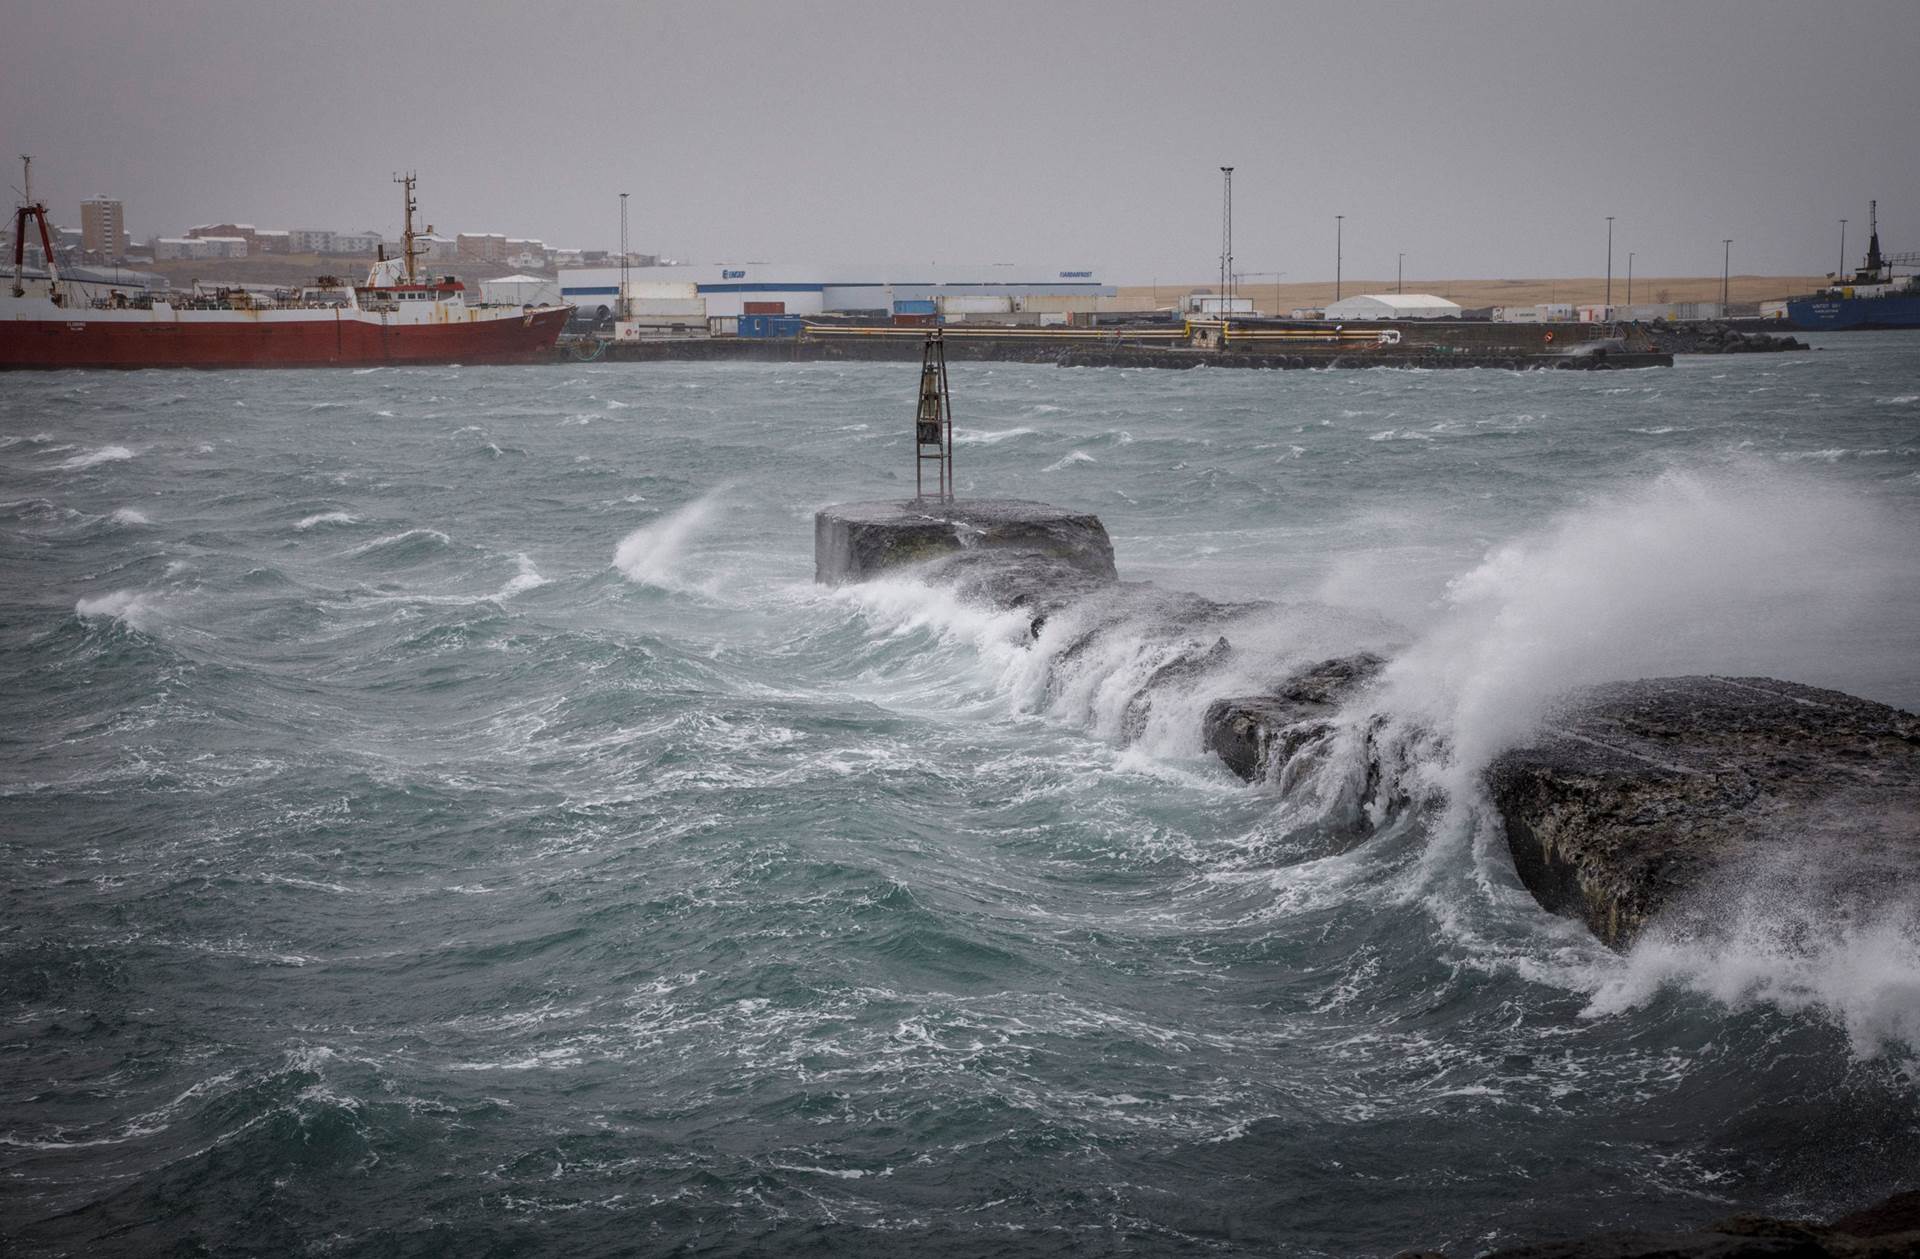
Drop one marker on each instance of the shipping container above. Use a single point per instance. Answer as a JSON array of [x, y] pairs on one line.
[[903, 319], [975, 304], [662, 289], [763, 308], [654, 308], [914, 306], [770, 325], [723, 325], [1060, 304]]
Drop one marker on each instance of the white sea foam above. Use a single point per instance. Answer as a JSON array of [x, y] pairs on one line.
[[92, 458], [1784, 931], [651, 555], [129, 516], [326, 518], [130, 608], [438, 537], [985, 437], [528, 578], [1744, 572], [1069, 459], [1747, 572]]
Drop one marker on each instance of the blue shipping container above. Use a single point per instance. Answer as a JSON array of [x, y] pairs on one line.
[[916, 307], [770, 325]]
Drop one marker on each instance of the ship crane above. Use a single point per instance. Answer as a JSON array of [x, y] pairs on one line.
[[31, 209]]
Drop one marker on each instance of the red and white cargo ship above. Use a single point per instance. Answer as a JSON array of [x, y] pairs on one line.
[[393, 319]]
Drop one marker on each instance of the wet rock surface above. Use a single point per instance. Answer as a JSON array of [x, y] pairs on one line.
[[1258, 734], [855, 541], [1647, 787]]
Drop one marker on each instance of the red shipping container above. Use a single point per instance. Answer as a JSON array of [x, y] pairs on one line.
[[915, 321], [763, 308]]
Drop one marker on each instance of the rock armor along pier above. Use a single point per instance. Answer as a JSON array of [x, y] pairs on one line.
[[1644, 799]]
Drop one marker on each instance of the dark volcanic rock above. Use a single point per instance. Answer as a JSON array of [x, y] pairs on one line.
[[1716, 338], [1647, 788], [1890, 1230], [1254, 734], [855, 541]]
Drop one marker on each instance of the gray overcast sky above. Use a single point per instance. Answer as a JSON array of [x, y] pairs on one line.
[[1482, 137]]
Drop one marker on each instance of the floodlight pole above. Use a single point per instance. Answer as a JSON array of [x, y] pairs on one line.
[[1609, 301], [622, 304], [1226, 242], [1339, 223], [1726, 269]]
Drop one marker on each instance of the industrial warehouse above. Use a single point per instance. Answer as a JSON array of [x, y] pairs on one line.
[[714, 296]]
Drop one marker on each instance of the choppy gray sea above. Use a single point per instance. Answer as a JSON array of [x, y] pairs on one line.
[[439, 815]]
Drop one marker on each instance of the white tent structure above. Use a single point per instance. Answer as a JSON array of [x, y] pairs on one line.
[[1393, 306], [520, 290]]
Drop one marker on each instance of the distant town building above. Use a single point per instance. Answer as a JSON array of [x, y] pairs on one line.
[[244, 231], [482, 246], [310, 240], [273, 241], [356, 244], [103, 228], [175, 248]]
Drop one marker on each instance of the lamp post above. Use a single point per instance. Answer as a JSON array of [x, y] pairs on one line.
[[1629, 277], [1726, 256], [1841, 273], [1609, 260], [622, 303], [1399, 272], [1339, 222], [1226, 242]]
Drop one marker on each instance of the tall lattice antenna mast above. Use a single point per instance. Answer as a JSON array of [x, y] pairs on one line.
[[933, 422], [407, 234]]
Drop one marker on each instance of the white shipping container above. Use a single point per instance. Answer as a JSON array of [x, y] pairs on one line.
[[662, 290], [654, 308], [967, 304]]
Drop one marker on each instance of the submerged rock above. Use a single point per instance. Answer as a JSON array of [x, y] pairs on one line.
[[1646, 788]]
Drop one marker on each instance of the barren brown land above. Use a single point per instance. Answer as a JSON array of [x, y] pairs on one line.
[[1281, 298]]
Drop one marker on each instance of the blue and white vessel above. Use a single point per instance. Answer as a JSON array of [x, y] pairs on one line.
[[1873, 298]]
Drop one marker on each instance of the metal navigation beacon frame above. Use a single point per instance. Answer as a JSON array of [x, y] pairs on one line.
[[933, 422]]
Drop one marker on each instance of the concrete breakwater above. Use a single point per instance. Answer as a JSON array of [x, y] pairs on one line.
[[1116, 350], [1633, 806]]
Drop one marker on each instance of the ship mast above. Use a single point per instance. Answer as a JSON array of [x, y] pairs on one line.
[[1875, 262], [407, 233]]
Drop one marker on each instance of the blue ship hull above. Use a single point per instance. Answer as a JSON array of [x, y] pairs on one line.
[[1832, 314]]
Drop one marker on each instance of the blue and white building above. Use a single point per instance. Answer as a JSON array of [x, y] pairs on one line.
[[727, 287]]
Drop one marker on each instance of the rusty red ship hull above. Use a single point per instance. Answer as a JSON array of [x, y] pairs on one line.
[[344, 338]]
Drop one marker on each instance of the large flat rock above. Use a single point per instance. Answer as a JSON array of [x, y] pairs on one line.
[[856, 541], [1646, 789]]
